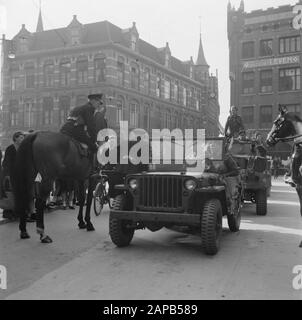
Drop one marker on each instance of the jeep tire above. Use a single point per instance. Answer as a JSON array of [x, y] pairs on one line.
[[120, 234], [211, 226], [261, 203]]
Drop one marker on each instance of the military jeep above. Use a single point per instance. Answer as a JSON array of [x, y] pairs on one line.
[[255, 172], [168, 195]]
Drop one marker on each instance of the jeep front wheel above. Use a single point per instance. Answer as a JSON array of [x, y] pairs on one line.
[[211, 226], [120, 232]]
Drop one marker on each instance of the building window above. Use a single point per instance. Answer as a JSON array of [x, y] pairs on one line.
[[134, 114], [28, 114], [248, 115], [248, 79], [14, 118], [81, 100], [119, 111], [147, 81], [266, 81], [14, 82], [134, 77], [75, 36], [133, 42], [49, 75], [266, 47], [158, 85], [294, 108], [184, 96], [29, 77], [65, 68], [167, 60], [290, 44], [167, 89], [266, 118], [248, 50], [147, 117], [82, 71], [99, 68], [289, 79], [64, 107], [47, 111], [120, 71]]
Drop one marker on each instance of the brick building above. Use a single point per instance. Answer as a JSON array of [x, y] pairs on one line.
[[54, 70], [265, 65]]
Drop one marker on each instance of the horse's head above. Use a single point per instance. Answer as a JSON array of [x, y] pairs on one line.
[[282, 128]]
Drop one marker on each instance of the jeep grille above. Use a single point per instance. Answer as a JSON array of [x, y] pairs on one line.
[[162, 193]]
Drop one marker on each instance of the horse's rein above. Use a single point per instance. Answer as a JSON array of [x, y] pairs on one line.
[[289, 139]]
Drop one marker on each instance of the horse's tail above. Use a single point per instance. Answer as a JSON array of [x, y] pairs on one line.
[[23, 175]]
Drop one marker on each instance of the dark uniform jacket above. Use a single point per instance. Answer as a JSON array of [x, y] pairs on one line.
[[233, 125], [84, 116]]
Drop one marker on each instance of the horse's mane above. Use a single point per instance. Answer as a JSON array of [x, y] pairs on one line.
[[294, 117]]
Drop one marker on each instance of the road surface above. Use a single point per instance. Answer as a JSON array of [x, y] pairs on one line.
[[255, 263]]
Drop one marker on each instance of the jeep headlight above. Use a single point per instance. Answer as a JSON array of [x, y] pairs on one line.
[[190, 185], [133, 183]]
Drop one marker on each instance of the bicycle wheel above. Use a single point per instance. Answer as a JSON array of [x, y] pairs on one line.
[[98, 199]]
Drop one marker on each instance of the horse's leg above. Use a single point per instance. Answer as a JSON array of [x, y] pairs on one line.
[[81, 195], [90, 226], [43, 190]]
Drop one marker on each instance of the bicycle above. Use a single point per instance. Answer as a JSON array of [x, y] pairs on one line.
[[101, 194]]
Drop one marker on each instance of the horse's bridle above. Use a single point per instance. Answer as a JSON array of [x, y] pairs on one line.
[[278, 124]]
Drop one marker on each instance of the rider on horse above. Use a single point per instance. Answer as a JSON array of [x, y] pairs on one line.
[[83, 116]]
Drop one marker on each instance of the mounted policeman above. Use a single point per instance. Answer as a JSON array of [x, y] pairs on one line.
[[234, 126], [80, 124]]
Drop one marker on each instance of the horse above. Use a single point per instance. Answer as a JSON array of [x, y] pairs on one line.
[[46, 156], [288, 128]]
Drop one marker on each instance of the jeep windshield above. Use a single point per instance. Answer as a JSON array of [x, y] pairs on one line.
[[182, 156]]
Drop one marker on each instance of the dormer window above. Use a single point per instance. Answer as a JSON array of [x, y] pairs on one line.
[[191, 71], [167, 60], [23, 44], [75, 37]]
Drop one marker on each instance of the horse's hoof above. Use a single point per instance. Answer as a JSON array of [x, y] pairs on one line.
[[45, 239], [82, 225], [90, 227], [24, 235]]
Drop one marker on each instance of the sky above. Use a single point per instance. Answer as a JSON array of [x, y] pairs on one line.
[[178, 22]]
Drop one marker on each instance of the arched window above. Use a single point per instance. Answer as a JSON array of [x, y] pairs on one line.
[[147, 80], [82, 70], [14, 113], [119, 110], [65, 71], [49, 74], [29, 75], [64, 106], [134, 114], [134, 76], [28, 114], [47, 110]]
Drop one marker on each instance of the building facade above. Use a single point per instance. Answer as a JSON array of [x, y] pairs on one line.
[[265, 64], [55, 70]]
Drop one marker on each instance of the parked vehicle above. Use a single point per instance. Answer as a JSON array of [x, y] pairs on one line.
[[256, 174], [168, 195]]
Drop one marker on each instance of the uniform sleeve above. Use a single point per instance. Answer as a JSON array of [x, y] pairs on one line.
[[90, 123]]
